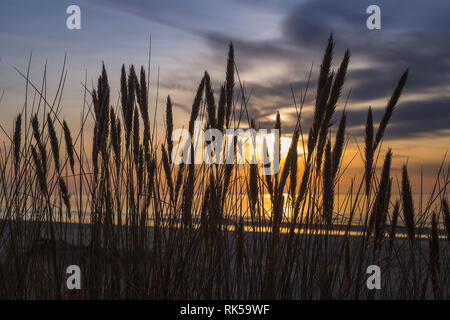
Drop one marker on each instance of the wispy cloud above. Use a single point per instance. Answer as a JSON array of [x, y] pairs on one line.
[[276, 42]]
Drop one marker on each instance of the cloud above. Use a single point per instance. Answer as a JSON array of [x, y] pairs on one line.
[[176, 14], [409, 120], [413, 35]]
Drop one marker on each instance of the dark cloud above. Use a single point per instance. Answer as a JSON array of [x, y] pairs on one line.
[[413, 35], [410, 119], [176, 14], [247, 48], [249, 54]]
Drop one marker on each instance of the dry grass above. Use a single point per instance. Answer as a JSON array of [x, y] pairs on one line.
[[141, 227]]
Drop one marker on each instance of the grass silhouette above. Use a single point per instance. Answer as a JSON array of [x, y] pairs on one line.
[[141, 227]]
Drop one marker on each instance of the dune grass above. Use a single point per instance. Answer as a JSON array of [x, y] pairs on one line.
[[140, 226]]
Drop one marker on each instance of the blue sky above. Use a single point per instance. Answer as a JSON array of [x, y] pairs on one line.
[[275, 43], [116, 33]]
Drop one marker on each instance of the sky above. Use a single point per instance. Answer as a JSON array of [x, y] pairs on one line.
[[276, 43]]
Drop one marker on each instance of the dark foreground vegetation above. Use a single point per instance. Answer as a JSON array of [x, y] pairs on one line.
[[139, 226]]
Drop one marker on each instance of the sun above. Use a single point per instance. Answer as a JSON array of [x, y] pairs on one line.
[[285, 143]]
